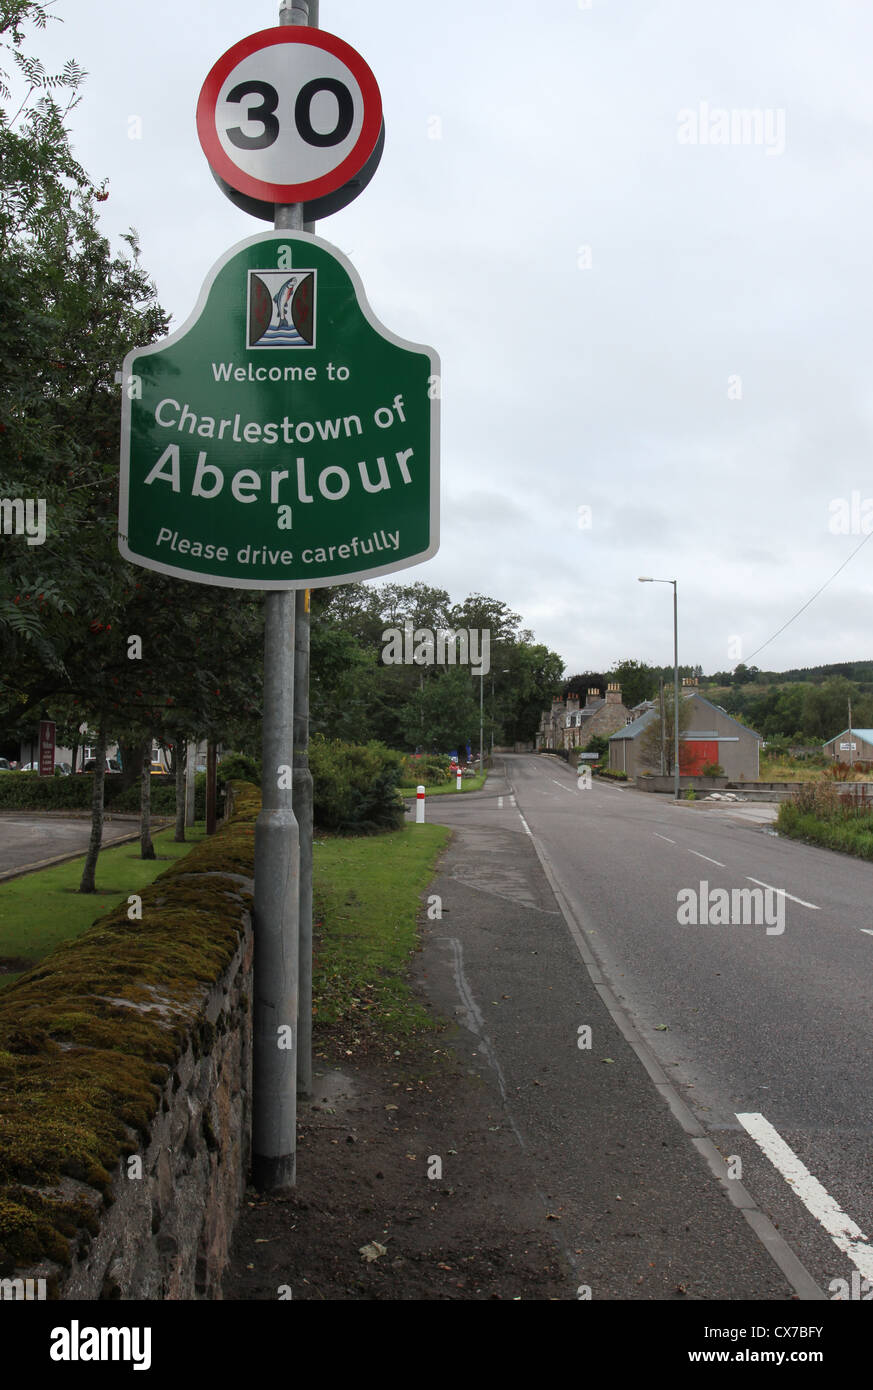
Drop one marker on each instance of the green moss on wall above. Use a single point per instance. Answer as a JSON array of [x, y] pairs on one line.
[[89, 1038]]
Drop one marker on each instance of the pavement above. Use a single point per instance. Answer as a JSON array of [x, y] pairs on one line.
[[30, 842]]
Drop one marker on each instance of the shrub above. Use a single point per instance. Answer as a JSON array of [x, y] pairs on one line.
[[598, 743], [355, 786], [238, 767], [614, 774], [712, 770], [431, 770], [840, 772], [816, 798]]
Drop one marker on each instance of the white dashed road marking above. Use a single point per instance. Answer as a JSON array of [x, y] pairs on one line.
[[815, 907]]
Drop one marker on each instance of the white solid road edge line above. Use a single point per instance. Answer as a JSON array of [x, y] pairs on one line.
[[815, 907], [841, 1228]]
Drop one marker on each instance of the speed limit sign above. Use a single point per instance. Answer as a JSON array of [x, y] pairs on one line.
[[289, 115]]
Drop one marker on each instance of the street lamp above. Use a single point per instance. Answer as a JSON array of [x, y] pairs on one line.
[[646, 579], [504, 672]]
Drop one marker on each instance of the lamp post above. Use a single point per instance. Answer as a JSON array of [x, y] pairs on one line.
[[647, 579], [504, 672]]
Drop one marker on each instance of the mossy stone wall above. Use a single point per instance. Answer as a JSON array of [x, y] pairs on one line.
[[125, 1084]]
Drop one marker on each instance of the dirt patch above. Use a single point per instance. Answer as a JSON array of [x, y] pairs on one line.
[[367, 1143]]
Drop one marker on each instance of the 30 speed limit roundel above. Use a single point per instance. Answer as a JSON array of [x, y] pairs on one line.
[[289, 114]]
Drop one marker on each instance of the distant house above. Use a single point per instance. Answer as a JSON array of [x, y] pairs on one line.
[[568, 724], [854, 746], [712, 736]]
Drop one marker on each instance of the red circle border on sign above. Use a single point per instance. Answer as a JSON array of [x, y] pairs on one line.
[[221, 163]]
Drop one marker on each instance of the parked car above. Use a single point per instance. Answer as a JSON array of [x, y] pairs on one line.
[[4, 765], [158, 770], [111, 765]]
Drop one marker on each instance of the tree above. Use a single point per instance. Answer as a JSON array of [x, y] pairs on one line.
[[638, 681], [826, 708], [654, 734], [443, 714]]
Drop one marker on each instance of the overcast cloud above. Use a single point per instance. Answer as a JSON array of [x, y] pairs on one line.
[[606, 377]]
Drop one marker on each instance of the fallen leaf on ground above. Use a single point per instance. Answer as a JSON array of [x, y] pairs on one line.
[[372, 1251]]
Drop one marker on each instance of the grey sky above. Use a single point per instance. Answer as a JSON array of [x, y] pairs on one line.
[[608, 386]]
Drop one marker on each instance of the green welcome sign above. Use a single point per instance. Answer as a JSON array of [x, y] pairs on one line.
[[283, 438]]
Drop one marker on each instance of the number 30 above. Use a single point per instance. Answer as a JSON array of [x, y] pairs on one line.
[[265, 113]]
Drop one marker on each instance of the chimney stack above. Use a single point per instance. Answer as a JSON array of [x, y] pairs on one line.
[[613, 693], [593, 694]]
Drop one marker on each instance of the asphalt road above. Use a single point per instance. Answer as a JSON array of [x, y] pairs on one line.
[[742, 1020], [27, 840]]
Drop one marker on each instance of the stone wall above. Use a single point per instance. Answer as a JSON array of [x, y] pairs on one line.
[[168, 1232], [125, 1089]]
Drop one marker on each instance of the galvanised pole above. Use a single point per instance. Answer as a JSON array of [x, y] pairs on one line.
[[277, 871], [675, 692], [303, 802], [303, 809]]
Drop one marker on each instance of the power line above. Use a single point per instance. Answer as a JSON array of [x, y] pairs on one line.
[[814, 597]]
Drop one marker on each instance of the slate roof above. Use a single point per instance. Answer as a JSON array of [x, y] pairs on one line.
[[636, 728]]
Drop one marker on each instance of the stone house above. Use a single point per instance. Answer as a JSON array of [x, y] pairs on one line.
[[570, 724]]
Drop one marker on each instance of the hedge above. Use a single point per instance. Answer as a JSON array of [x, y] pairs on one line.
[[27, 791]]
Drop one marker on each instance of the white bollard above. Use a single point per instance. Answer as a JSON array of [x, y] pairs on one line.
[[458, 784], [419, 806]]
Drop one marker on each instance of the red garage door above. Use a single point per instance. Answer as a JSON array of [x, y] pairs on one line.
[[695, 753]]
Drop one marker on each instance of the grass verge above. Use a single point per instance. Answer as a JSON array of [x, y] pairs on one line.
[[468, 784], [367, 898], [851, 834], [40, 910]]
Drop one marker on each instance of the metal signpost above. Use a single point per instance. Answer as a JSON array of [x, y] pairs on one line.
[[283, 439]]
